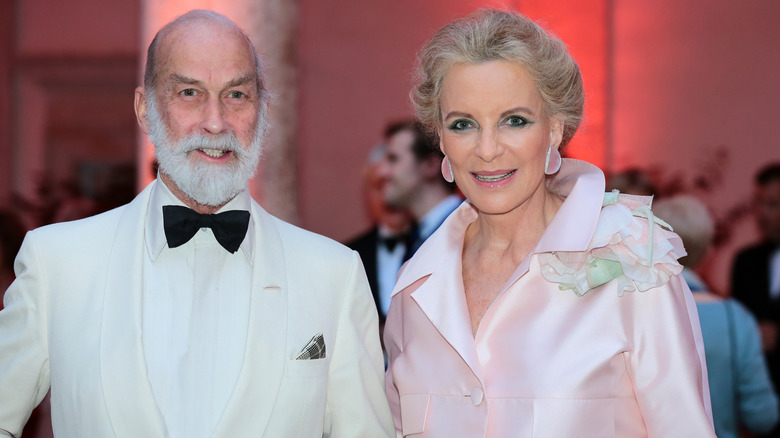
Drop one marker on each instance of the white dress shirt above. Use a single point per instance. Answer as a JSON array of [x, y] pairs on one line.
[[195, 317], [435, 216]]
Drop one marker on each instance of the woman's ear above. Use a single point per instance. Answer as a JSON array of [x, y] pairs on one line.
[[556, 131]]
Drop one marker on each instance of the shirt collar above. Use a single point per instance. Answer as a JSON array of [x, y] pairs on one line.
[[434, 218], [384, 231], [155, 231]]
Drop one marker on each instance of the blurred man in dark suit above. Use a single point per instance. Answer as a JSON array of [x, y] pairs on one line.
[[413, 180], [383, 246], [755, 277]]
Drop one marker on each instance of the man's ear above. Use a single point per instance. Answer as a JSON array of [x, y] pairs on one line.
[[140, 109]]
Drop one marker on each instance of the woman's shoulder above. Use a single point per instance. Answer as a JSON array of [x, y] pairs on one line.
[[630, 245]]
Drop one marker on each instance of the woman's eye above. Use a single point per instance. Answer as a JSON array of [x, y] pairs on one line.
[[460, 125], [516, 121], [189, 92]]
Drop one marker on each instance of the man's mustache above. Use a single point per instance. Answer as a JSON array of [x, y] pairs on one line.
[[225, 142]]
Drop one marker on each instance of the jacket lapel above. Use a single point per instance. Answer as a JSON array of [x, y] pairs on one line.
[[441, 296], [444, 303], [257, 386], [129, 399]]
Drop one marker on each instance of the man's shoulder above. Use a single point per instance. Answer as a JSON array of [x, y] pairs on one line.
[[105, 222], [92, 225], [70, 241], [758, 250]]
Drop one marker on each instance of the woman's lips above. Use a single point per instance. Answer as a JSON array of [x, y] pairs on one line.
[[493, 177]]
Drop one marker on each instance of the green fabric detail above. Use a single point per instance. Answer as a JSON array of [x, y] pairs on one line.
[[600, 271], [610, 198]]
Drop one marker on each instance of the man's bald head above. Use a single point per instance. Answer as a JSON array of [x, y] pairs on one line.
[[157, 52]]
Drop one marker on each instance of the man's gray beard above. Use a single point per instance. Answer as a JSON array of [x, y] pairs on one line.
[[205, 183]]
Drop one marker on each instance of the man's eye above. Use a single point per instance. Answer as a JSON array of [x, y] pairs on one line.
[[237, 94], [189, 92]]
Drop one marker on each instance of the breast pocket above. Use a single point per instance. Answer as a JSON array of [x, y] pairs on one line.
[[414, 413], [302, 397], [307, 368]]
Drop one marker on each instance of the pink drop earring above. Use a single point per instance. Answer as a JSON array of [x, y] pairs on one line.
[[553, 161], [446, 170]]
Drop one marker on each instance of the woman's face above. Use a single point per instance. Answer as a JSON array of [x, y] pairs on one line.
[[496, 134]]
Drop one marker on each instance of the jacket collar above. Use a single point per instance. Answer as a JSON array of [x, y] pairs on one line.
[[129, 399]]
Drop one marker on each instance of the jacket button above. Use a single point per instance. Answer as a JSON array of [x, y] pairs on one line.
[[477, 396]]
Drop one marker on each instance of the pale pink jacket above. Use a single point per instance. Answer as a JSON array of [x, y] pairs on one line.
[[547, 362]]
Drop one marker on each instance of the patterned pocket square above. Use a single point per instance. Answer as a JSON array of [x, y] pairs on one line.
[[315, 349]]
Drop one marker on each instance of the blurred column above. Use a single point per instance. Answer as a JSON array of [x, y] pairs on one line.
[[586, 28], [272, 26]]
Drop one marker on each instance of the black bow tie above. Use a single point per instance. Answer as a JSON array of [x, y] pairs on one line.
[[390, 242], [181, 223]]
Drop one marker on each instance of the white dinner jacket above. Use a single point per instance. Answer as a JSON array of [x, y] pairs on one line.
[[73, 318]]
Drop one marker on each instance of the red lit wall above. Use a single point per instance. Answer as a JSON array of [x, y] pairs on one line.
[[585, 28]]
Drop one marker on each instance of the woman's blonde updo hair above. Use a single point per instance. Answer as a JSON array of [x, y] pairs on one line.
[[495, 35]]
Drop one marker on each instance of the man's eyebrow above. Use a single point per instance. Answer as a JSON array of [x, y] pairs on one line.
[[243, 80], [184, 79]]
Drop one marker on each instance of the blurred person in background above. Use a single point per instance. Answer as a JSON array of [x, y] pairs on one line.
[[413, 180], [383, 246], [755, 274], [633, 181], [740, 388]]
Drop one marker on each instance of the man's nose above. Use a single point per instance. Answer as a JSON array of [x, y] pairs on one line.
[[214, 117]]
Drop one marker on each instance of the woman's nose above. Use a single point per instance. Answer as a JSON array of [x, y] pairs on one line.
[[488, 146]]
